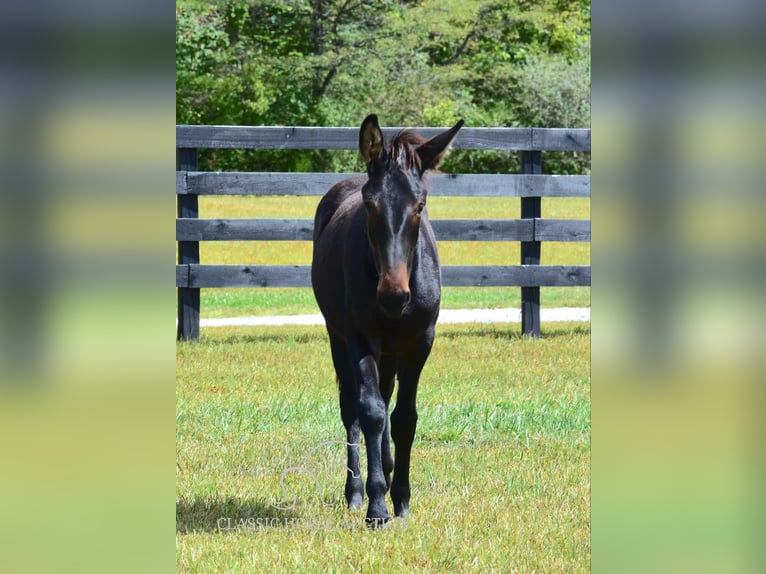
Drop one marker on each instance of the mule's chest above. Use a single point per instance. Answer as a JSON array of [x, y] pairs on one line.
[[398, 336]]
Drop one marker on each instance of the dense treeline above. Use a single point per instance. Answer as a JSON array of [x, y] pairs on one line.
[[331, 62]]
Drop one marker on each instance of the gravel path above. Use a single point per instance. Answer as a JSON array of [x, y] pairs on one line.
[[446, 316]]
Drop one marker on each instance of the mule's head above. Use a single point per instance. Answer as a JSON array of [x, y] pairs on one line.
[[395, 198]]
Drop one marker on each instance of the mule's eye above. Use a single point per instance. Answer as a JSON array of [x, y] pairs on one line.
[[420, 207]]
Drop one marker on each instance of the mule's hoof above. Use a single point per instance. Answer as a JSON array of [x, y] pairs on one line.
[[355, 501], [400, 511], [378, 523]]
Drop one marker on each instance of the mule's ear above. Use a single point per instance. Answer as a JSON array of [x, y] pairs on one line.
[[433, 152], [370, 139]]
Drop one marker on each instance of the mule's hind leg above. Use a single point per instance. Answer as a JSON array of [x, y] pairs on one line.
[[349, 398], [404, 420], [387, 371]]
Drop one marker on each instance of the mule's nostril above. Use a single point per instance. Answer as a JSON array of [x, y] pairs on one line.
[[393, 302]]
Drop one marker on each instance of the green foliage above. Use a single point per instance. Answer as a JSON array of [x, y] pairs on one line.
[[554, 92], [332, 62]]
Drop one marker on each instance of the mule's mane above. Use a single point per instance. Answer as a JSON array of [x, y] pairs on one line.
[[402, 149]]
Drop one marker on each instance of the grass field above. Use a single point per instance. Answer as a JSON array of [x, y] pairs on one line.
[[500, 464], [500, 468]]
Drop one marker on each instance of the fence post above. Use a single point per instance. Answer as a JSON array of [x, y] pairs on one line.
[[188, 252], [531, 164]]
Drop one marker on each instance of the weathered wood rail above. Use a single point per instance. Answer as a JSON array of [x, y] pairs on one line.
[[530, 230]]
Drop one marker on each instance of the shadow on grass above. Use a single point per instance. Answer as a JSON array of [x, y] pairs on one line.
[[295, 334], [302, 335], [214, 515], [233, 515]]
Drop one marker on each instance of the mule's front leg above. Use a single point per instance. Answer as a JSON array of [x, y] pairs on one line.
[[349, 400], [372, 419], [404, 421], [354, 486], [386, 373]]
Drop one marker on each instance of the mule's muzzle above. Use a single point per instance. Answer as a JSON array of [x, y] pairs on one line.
[[394, 291], [393, 302]]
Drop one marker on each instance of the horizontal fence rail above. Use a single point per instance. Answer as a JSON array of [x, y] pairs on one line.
[[481, 185], [217, 276], [530, 230], [446, 229], [249, 137]]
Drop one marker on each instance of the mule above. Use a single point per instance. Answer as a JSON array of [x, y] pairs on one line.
[[376, 278]]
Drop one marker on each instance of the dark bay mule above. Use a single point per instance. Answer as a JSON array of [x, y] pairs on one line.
[[376, 278]]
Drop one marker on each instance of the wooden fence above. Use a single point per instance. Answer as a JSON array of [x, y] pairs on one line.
[[531, 229]]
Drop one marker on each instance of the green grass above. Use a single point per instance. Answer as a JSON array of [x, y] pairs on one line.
[[500, 470], [243, 302], [236, 302]]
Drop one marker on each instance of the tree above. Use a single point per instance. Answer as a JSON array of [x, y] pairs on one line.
[[331, 62]]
